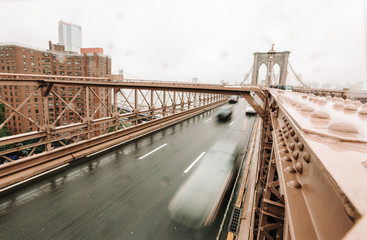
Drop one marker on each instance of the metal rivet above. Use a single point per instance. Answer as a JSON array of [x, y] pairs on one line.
[[291, 146], [292, 132], [290, 169], [306, 157], [294, 184], [284, 150], [300, 146], [295, 155], [298, 167]]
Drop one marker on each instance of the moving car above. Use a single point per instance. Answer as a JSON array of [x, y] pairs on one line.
[[250, 110], [197, 201], [224, 113], [233, 99]]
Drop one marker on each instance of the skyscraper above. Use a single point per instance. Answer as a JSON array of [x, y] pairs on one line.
[[70, 35]]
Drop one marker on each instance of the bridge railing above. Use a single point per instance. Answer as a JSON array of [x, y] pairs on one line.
[[47, 117]]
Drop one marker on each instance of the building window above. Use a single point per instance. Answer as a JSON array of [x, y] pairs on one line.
[[24, 56], [25, 69], [25, 63]]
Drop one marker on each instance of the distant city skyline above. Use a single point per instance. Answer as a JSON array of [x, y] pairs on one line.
[[209, 40]]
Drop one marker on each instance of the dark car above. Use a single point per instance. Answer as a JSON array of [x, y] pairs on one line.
[[233, 99], [224, 113]]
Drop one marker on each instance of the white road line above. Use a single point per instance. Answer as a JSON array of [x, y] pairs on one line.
[[231, 123], [194, 162], [153, 151], [207, 120], [38, 175]]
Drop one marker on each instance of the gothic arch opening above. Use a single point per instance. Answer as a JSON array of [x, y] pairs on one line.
[[261, 77], [275, 75]]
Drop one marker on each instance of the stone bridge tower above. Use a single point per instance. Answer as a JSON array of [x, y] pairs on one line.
[[270, 59]]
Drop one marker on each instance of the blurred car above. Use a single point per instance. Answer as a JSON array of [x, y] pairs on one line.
[[224, 113], [233, 99], [199, 198], [250, 110]]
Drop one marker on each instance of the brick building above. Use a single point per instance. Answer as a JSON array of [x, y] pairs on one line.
[[16, 58]]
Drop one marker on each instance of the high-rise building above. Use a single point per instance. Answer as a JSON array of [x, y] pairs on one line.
[[70, 35], [16, 58]]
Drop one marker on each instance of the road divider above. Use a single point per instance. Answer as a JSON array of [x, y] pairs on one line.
[[208, 120], [146, 155], [194, 162]]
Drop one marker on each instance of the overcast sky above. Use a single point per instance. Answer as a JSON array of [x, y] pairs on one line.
[[208, 39]]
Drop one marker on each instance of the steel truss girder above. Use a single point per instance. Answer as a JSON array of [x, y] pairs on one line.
[[314, 206], [19, 170], [102, 114]]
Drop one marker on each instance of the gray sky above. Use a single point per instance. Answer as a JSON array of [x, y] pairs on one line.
[[208, 39]]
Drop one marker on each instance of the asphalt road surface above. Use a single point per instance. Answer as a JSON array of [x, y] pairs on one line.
[[123, 193]]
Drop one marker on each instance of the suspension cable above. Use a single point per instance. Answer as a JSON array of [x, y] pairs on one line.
[[247, 75], [296, 75]]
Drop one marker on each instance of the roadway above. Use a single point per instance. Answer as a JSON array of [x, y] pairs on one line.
[[124, 193]]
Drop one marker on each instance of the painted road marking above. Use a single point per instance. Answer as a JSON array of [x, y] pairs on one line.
[[153, 151], [207, 120], [194, 162], [38, 175], [231, 123]]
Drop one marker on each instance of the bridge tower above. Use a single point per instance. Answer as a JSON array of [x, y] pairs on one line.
[[269, 59]]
